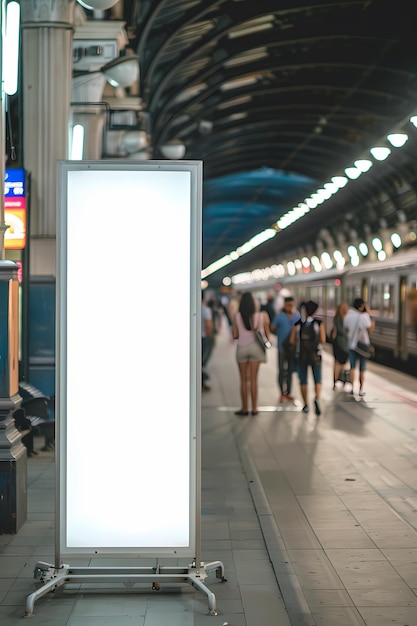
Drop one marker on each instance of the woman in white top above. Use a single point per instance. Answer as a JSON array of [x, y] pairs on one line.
[[358, 324], [249, 353]]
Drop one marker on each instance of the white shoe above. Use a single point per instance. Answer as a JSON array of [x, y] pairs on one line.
[[362, 393]]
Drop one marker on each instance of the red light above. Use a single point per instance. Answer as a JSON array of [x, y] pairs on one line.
[[337, 282]]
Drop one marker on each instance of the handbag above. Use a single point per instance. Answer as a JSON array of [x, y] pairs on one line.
[[259, 338], [366, 350], [264, 343]]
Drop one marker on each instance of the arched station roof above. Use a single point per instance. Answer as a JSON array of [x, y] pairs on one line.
[[276, 98]]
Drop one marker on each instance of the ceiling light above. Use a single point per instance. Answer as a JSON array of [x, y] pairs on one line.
[[396, 240], [123, 71], [377, 244], [363, 164], [311, 203], [10, 49], [173, 150], [340, 181], [363, 248], [380, 153], [397, 139], [327, 260], [97, 5], [353, 172], [413, 120], [134, 140], [324, 193], [77, 147], [331, 187]]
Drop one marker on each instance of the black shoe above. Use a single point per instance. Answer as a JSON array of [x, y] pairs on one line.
[[241, 412], [254, 412], [317, 406], [305, 408]]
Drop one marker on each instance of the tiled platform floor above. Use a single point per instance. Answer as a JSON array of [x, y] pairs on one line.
[[313, 518]]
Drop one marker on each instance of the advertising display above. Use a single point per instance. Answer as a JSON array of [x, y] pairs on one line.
[[128, 349], [15, 209]]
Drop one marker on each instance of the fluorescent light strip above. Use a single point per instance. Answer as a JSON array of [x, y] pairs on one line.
[[380, 153], [11, 49]]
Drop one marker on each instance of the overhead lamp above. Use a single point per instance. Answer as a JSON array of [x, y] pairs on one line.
[[123, 71], [353, 172], [397, 139], [363, 248], [413, 120], [173, 150], [311, 203], [134, 141], [380, 153], [326, 260], [396, 240], [331, 187], [10, 49], [363, 164], [340, 181], [77, 147], [377, 244], [97, 5], [291, 268], [324, 193]]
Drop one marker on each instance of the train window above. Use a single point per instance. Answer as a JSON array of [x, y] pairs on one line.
[[376, 299], [352, 292], [331, 297], [388, 300]]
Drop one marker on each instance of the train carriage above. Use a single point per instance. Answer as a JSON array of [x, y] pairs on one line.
[[389, 287]]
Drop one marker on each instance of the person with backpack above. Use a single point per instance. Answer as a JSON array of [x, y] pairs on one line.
[[309, 335]]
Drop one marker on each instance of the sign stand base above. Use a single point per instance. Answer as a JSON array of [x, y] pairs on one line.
[[54, 578]]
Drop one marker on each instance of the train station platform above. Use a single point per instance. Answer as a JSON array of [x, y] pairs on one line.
[[314, 518]]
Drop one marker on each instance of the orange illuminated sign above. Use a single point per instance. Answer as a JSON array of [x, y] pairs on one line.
[[15, 209]]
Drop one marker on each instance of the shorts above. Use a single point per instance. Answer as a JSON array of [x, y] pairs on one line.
[[354, 357], [250, 352], [302, 369]]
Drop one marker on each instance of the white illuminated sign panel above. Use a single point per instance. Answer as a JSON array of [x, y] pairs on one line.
[[128, 337]]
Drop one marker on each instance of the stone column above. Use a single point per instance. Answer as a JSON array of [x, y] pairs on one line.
[[47, 34]]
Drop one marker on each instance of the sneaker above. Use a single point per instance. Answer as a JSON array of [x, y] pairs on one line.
[[317, 406], [305, 408], [290, 398], [283, 397], [362, 393]]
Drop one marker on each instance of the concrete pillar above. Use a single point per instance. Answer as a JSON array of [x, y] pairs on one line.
[[47, 34]]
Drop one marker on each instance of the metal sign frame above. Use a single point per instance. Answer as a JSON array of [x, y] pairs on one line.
[[128, 380]]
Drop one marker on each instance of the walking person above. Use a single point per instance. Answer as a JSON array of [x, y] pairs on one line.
[[249, 353], [310, 336], [281, 325], [206, 341], [358, 324], [339, 338]]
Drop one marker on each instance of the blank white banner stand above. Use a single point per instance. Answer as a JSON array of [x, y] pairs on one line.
[[128, 469]]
